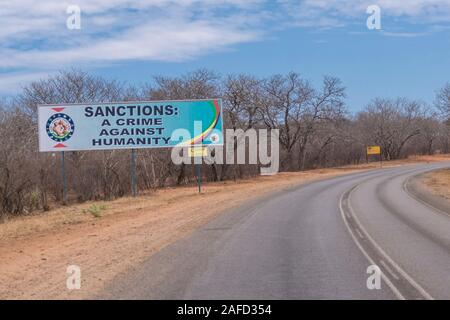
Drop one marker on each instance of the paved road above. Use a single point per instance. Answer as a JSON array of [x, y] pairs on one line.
[[313, 241]]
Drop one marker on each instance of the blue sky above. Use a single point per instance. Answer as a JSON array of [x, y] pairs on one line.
[[130, 41]]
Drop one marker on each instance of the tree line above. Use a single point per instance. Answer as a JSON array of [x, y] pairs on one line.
[[316, 130]]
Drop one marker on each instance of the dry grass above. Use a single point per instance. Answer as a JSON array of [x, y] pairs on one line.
[[438, 182], [36, 250]]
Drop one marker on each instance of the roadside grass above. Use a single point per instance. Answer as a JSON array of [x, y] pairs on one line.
[[438, 182], [95, 210]]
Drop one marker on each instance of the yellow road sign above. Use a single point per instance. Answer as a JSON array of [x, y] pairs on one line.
[[197, 152], [373, 150]]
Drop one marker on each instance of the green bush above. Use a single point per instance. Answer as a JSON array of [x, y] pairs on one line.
[[95, 210]]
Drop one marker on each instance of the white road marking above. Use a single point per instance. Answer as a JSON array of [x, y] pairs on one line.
[[389, 270], [359, 233], [383, 276], [426, 204], [399, 270]]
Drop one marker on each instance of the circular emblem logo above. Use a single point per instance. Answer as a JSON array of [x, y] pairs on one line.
[[60, 127], [214, 138]]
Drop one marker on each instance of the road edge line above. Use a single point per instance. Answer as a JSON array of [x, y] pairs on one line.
[[366, 255], [418, 199], [403, 273]]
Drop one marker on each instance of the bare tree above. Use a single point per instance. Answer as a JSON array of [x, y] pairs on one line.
[[443, 100], [390, 124], [243, 100], [327, 107], [287, 101], [315, 131], [430, 132], [295, 107]]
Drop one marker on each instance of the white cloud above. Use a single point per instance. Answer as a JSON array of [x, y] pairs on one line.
[[404, 34], [164, 42], [335, 13], [34, 39], [34, 34], [12, 82]]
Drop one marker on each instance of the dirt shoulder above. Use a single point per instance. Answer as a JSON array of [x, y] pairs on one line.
[[438, 182], [433, 188], [35, 251]]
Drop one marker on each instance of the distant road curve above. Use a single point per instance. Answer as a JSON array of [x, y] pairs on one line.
[[314, 241]]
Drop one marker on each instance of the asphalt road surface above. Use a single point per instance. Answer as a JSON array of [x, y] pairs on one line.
[[314, 241]]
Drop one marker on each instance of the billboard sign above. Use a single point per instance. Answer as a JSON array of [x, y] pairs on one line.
[[373, 150], [129, 125], [197, 152]]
